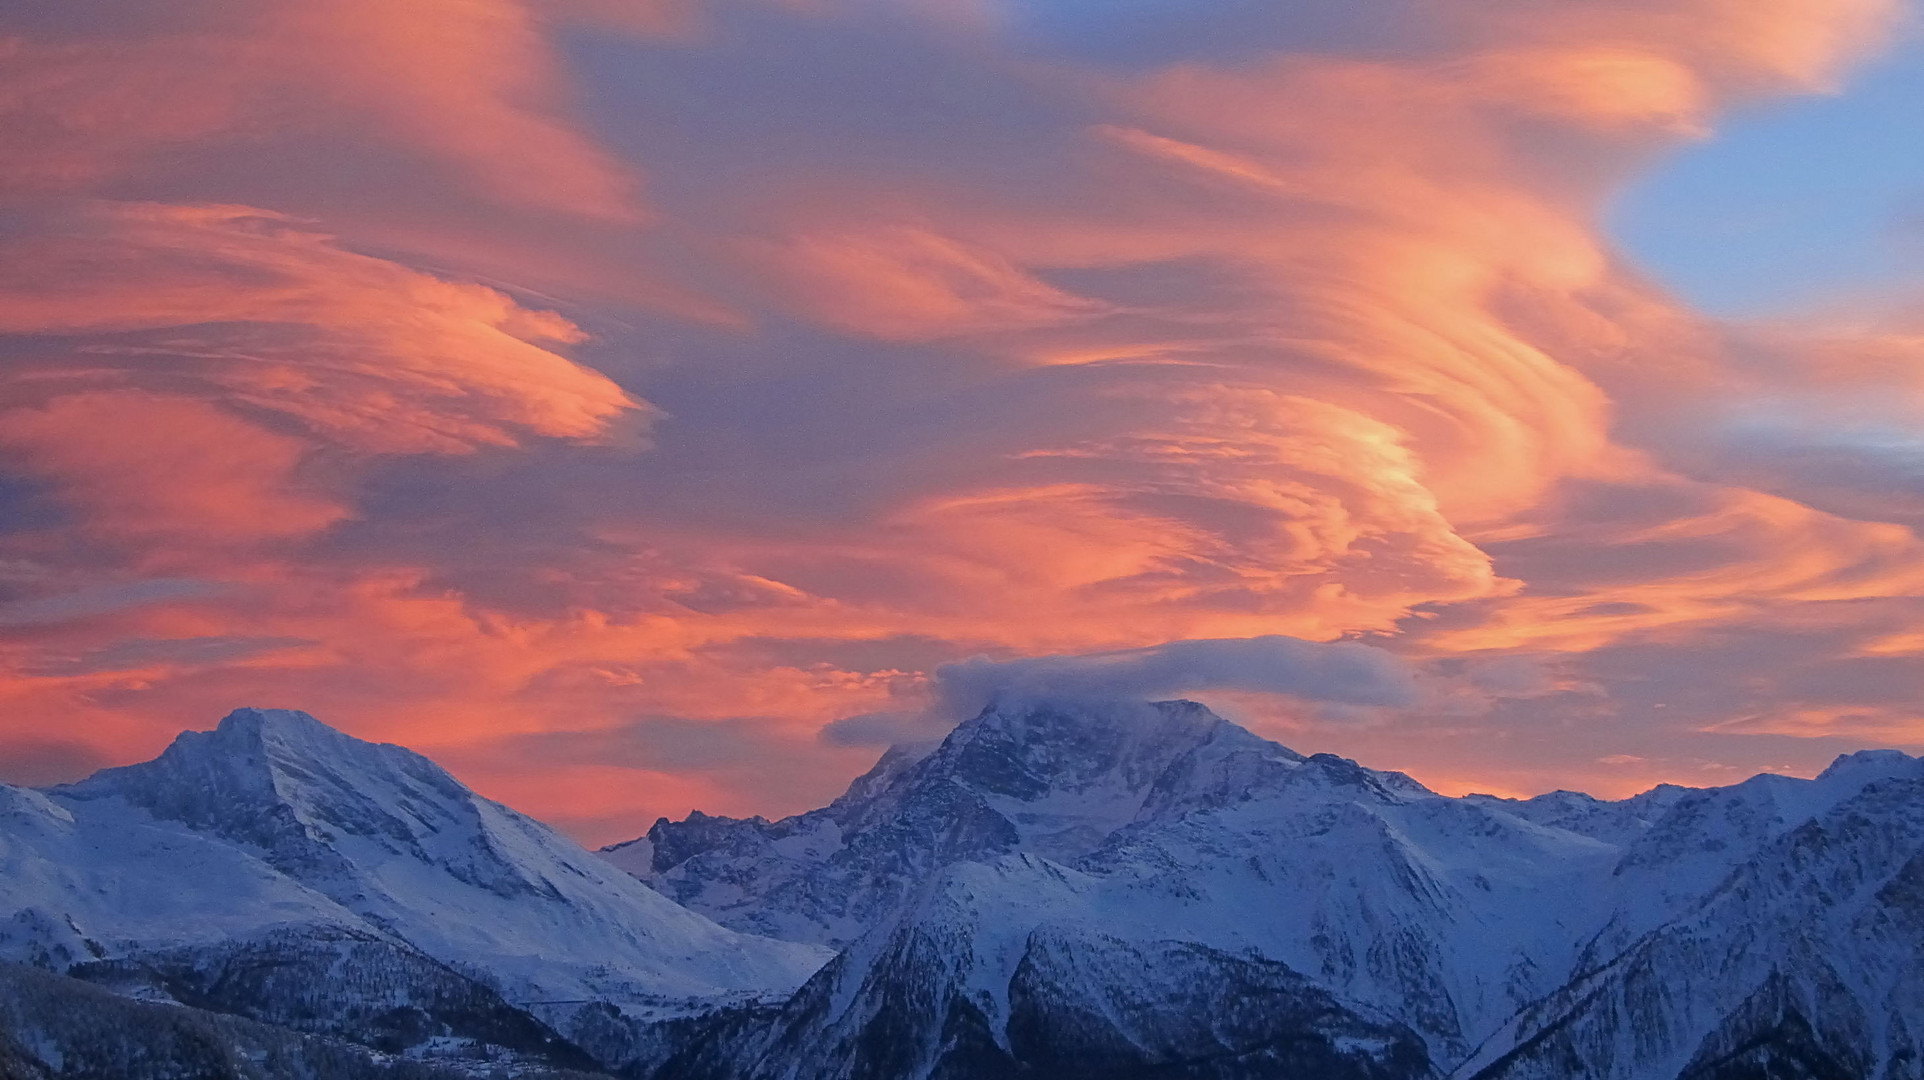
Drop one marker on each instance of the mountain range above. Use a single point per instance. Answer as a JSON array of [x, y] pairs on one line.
[[1057, 889]]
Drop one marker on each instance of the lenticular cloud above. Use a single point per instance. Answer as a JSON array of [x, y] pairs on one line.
[[1343, 672]]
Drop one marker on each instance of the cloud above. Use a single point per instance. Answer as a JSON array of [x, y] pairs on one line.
[[686, 763], [1828, 415], [137, 654], [900, 282], [253, 308], [475, 86], [1112, 348], [1342, 672], [661, 743], [189, 364], [143, 467], [102, 600], [41, 762]]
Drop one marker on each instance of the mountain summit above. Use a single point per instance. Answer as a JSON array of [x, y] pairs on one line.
[[1055, 779], [300, 792]]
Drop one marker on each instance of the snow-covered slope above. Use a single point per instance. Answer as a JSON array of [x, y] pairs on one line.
[[998, 970], [76, 887], [392, 838], [1142, 855], [275, 837], [1806, 959], [1586, 815]]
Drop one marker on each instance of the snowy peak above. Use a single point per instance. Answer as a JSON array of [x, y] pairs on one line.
[[895, 761], [282, 781], [1051, 860], [288, 729], [1057, 779], [1026, 750], [1117, 761], [1798, 962], [1339, 774], [1113, 734], [378, 839], [1060, 777], [1106, 766], [1868, 766], [1061, 780], [275, 844]]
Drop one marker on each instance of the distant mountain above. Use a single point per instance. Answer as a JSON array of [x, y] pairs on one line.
[[1803, 959], [1159, 892], [278, 869]]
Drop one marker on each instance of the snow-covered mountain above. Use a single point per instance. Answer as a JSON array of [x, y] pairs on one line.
[[278, 868], [1804, 959], [1079, 891], [1054, 781], [1100, 874]]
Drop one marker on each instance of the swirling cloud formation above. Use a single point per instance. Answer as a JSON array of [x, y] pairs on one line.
[[687, 389]]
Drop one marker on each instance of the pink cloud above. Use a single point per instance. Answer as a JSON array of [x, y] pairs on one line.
[[1061, 357]]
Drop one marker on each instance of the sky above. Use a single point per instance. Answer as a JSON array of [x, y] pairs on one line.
[[1802, 208], [649, 405]]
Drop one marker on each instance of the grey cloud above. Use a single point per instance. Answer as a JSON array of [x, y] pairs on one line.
[[884, 729], [145, 652], [1850, 453], [1340, 672], [1851, 465], [102, 600]]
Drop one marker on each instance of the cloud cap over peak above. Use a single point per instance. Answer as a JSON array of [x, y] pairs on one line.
[[1342, 672]]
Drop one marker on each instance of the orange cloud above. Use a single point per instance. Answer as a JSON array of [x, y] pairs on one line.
[[1743, 555], [651, 18], [1319, 345], [905, 283], [144, 467], [72, 113], [272, 316], [1597, 87], [474, 85]]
